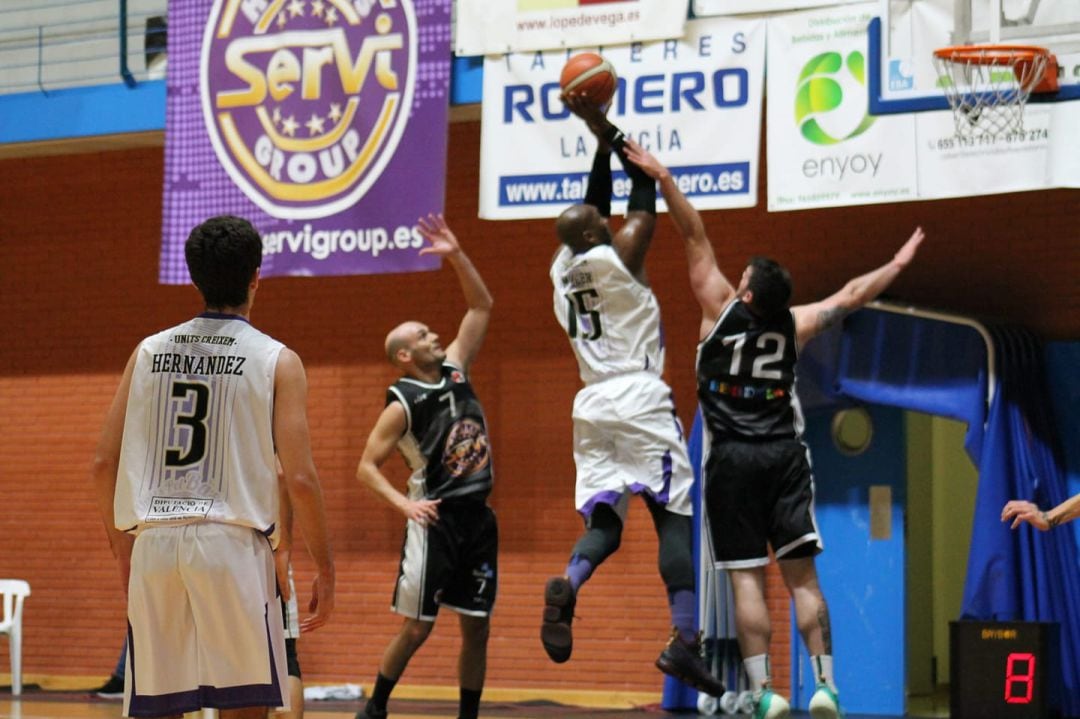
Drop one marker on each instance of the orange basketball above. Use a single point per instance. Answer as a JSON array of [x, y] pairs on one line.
[[591, 76]]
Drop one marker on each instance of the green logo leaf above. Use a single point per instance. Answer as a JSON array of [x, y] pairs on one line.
[[818, 93]]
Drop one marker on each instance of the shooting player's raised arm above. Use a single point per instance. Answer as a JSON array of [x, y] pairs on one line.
[[632, 240]]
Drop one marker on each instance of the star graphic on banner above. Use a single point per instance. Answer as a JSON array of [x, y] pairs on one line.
[[281, 21], [314, 125], [317, 8], [331, 16], [335, 111], [296, 7], [277, 115], [289, 126]]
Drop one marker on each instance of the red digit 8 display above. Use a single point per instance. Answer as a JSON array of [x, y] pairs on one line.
[[1019, 678], [1000, 670]]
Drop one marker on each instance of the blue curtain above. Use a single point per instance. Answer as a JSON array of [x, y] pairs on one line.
[[1024, 574], [940, 367]]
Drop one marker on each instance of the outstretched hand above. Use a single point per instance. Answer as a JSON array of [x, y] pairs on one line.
[[435, 230], [1020, 511], [906, 253], [645, 160]]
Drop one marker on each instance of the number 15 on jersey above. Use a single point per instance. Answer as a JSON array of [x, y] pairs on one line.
[[582, 318]]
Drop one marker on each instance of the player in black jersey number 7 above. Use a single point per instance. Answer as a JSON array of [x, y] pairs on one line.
[[758, 486], [433, 418]]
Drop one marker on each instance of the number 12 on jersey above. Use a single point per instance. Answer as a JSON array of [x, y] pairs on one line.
[[582, 317]]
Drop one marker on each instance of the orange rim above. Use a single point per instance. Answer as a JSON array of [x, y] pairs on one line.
[[1019, 57], [992, 54]]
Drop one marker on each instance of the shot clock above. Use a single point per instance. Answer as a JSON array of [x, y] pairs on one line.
[[1003, 670]]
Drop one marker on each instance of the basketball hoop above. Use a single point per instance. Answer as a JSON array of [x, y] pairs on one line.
[[987, 86]]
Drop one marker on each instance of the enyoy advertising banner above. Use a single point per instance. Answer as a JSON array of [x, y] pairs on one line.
[[825, 148], [307, 117], [485, 27], [695, 103]]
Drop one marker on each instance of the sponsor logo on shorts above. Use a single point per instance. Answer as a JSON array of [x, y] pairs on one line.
[[163, 509]]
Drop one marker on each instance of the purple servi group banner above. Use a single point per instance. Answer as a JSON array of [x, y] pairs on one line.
[[322, 121]]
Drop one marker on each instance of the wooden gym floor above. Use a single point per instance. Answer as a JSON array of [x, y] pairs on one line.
[[67, 704]]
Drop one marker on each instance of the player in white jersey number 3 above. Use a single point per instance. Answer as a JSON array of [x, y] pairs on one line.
[[188, 488]]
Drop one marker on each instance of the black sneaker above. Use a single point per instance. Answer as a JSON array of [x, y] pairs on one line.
[[371, 712], [112, 689], [555, 632], [683, 661]]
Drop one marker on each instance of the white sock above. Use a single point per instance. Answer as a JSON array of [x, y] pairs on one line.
[[822, 664], [757, 670]]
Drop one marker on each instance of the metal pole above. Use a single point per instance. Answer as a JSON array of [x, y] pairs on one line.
[[40, 52], [125, 73]]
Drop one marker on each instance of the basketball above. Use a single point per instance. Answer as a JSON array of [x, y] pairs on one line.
[[591, 76]]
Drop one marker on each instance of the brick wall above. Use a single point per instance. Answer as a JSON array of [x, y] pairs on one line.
[[78, 266]]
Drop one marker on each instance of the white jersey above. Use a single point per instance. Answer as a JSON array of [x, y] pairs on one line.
[[611, 318], [198, 441]]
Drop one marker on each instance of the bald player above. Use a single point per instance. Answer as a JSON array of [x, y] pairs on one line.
[[433, 418]]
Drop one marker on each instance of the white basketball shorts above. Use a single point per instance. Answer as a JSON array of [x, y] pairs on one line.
[[205, 621], [628, 440]]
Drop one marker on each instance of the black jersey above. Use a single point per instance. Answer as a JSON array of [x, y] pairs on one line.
[[445, 441], [746, 376]]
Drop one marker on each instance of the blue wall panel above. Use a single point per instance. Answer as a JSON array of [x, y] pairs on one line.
[[862, 577], [116, 109], [82, 112]]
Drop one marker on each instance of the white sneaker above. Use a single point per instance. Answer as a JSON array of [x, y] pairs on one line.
[[825, 704], [770, 705]]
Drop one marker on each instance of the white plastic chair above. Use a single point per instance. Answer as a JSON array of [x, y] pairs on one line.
[[14, 591]]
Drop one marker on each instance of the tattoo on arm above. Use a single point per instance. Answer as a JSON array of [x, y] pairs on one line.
[[826, 630], [1051, 522], [828, 318]]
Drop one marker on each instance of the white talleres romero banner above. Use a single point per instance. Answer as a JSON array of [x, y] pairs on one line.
[[695, 103], [825, 149], [485, 27]]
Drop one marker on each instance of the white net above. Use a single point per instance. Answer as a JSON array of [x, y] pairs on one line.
[[988, 86]]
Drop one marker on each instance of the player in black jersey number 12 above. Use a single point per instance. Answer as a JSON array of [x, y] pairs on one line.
[[758, 489]]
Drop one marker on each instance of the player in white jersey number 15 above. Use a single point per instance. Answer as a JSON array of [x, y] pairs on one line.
[[627, 438]]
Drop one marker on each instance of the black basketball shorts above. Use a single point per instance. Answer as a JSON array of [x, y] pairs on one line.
[[759, 494], [452, 563]]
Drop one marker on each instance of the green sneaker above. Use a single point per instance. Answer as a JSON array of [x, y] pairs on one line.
[[770, 705], [825, 704]]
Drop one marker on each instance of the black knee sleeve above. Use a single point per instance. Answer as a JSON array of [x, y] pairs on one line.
[[676, 548], [603, 533]]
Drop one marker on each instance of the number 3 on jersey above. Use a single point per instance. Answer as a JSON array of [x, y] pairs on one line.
[[582, 317], [197, 396]]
